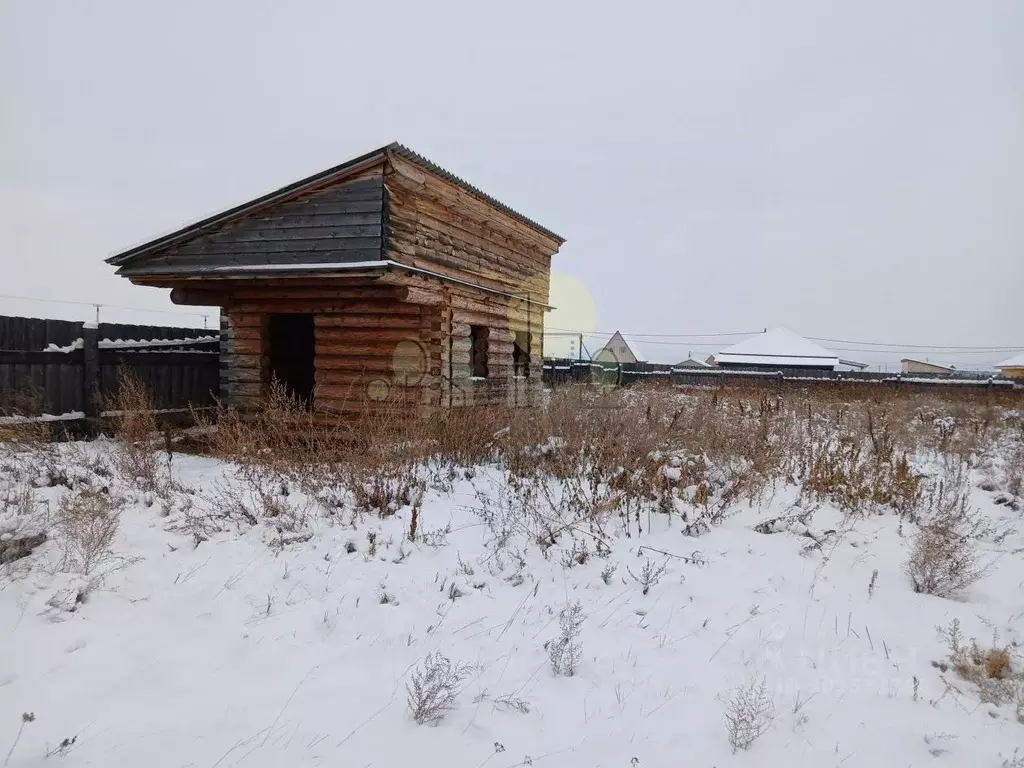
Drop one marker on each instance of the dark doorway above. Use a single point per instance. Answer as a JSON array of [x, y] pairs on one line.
[[291, 342]]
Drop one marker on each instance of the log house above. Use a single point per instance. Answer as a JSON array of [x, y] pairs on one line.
[[383, 280]]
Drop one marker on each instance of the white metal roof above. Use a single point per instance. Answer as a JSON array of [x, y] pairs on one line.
[[778, 347], [1013, 362], [696, 363]]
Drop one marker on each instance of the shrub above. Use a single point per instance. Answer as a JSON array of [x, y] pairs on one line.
[[85, 526], [650, 574], [608, 571], [19, 426], [131, 411], [566, 651], [990, 669], [943, 559], [434, 687], [749, 713]]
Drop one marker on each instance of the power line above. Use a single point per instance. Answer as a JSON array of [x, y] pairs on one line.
[[889, 347], [947, 352], [655, 335], [101, 304], [911, 346], [954, 352]]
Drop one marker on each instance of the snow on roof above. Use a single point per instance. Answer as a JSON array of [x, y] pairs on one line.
[[691, 360], [1013, 362], [777, 347], [634, 347], [926, 362]]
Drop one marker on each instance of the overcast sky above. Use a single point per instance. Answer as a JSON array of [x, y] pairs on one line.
[[848, 170]]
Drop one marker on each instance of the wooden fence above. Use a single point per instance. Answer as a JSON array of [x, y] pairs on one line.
[[560, 371], [67, 369]]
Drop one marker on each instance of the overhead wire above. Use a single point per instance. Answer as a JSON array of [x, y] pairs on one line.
[[858, 346], [103, 305]]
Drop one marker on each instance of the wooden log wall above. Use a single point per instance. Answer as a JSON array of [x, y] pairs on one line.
[[373, 347], [377, 348], [462, 307], [436, 225], [502, 318]]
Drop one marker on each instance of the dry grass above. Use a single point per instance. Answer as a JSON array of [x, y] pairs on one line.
[[992, 670], [433, 687], [749, 714], [84, 528], [131, 411], [944, 558], [591, 457], [18, 425]]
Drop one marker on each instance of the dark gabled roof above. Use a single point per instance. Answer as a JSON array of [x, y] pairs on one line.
[[318, 179]]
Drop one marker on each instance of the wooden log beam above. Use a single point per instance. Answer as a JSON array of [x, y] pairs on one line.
[[284, 292], [326, 306], [199, 297], [350, 320], [328, 335]]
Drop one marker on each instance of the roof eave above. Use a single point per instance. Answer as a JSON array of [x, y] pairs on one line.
[[326, 269]]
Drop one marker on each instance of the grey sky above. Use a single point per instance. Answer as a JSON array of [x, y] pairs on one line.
[[848, 170]]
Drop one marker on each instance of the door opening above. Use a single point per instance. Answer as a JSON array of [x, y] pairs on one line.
[[291, 351]]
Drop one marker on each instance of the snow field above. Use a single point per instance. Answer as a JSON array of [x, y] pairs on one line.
[[243, 650]]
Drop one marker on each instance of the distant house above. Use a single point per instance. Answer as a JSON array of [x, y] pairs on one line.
[[779, 350], [909, 365], [1012, 368], [619, 350], [692, 362]]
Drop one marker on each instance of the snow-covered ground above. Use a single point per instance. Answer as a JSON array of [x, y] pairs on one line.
[[249, 649]]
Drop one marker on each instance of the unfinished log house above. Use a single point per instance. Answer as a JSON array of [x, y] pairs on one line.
[[385, 280]]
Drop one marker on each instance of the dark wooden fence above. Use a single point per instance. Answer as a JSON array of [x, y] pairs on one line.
[[559, 372], [67, 369]]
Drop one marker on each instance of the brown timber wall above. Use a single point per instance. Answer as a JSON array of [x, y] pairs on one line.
[[387, 354], [502, 318], [433, 224], [371, 347], [375, 348]]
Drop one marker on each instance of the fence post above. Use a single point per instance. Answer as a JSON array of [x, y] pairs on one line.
[[91, 372], [618, 375]]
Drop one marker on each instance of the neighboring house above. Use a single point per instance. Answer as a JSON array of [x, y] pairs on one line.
[[851, 365], [779, 350], [1012, 368], [909, 365], [692, 362], [383, 279], [619, 349]]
